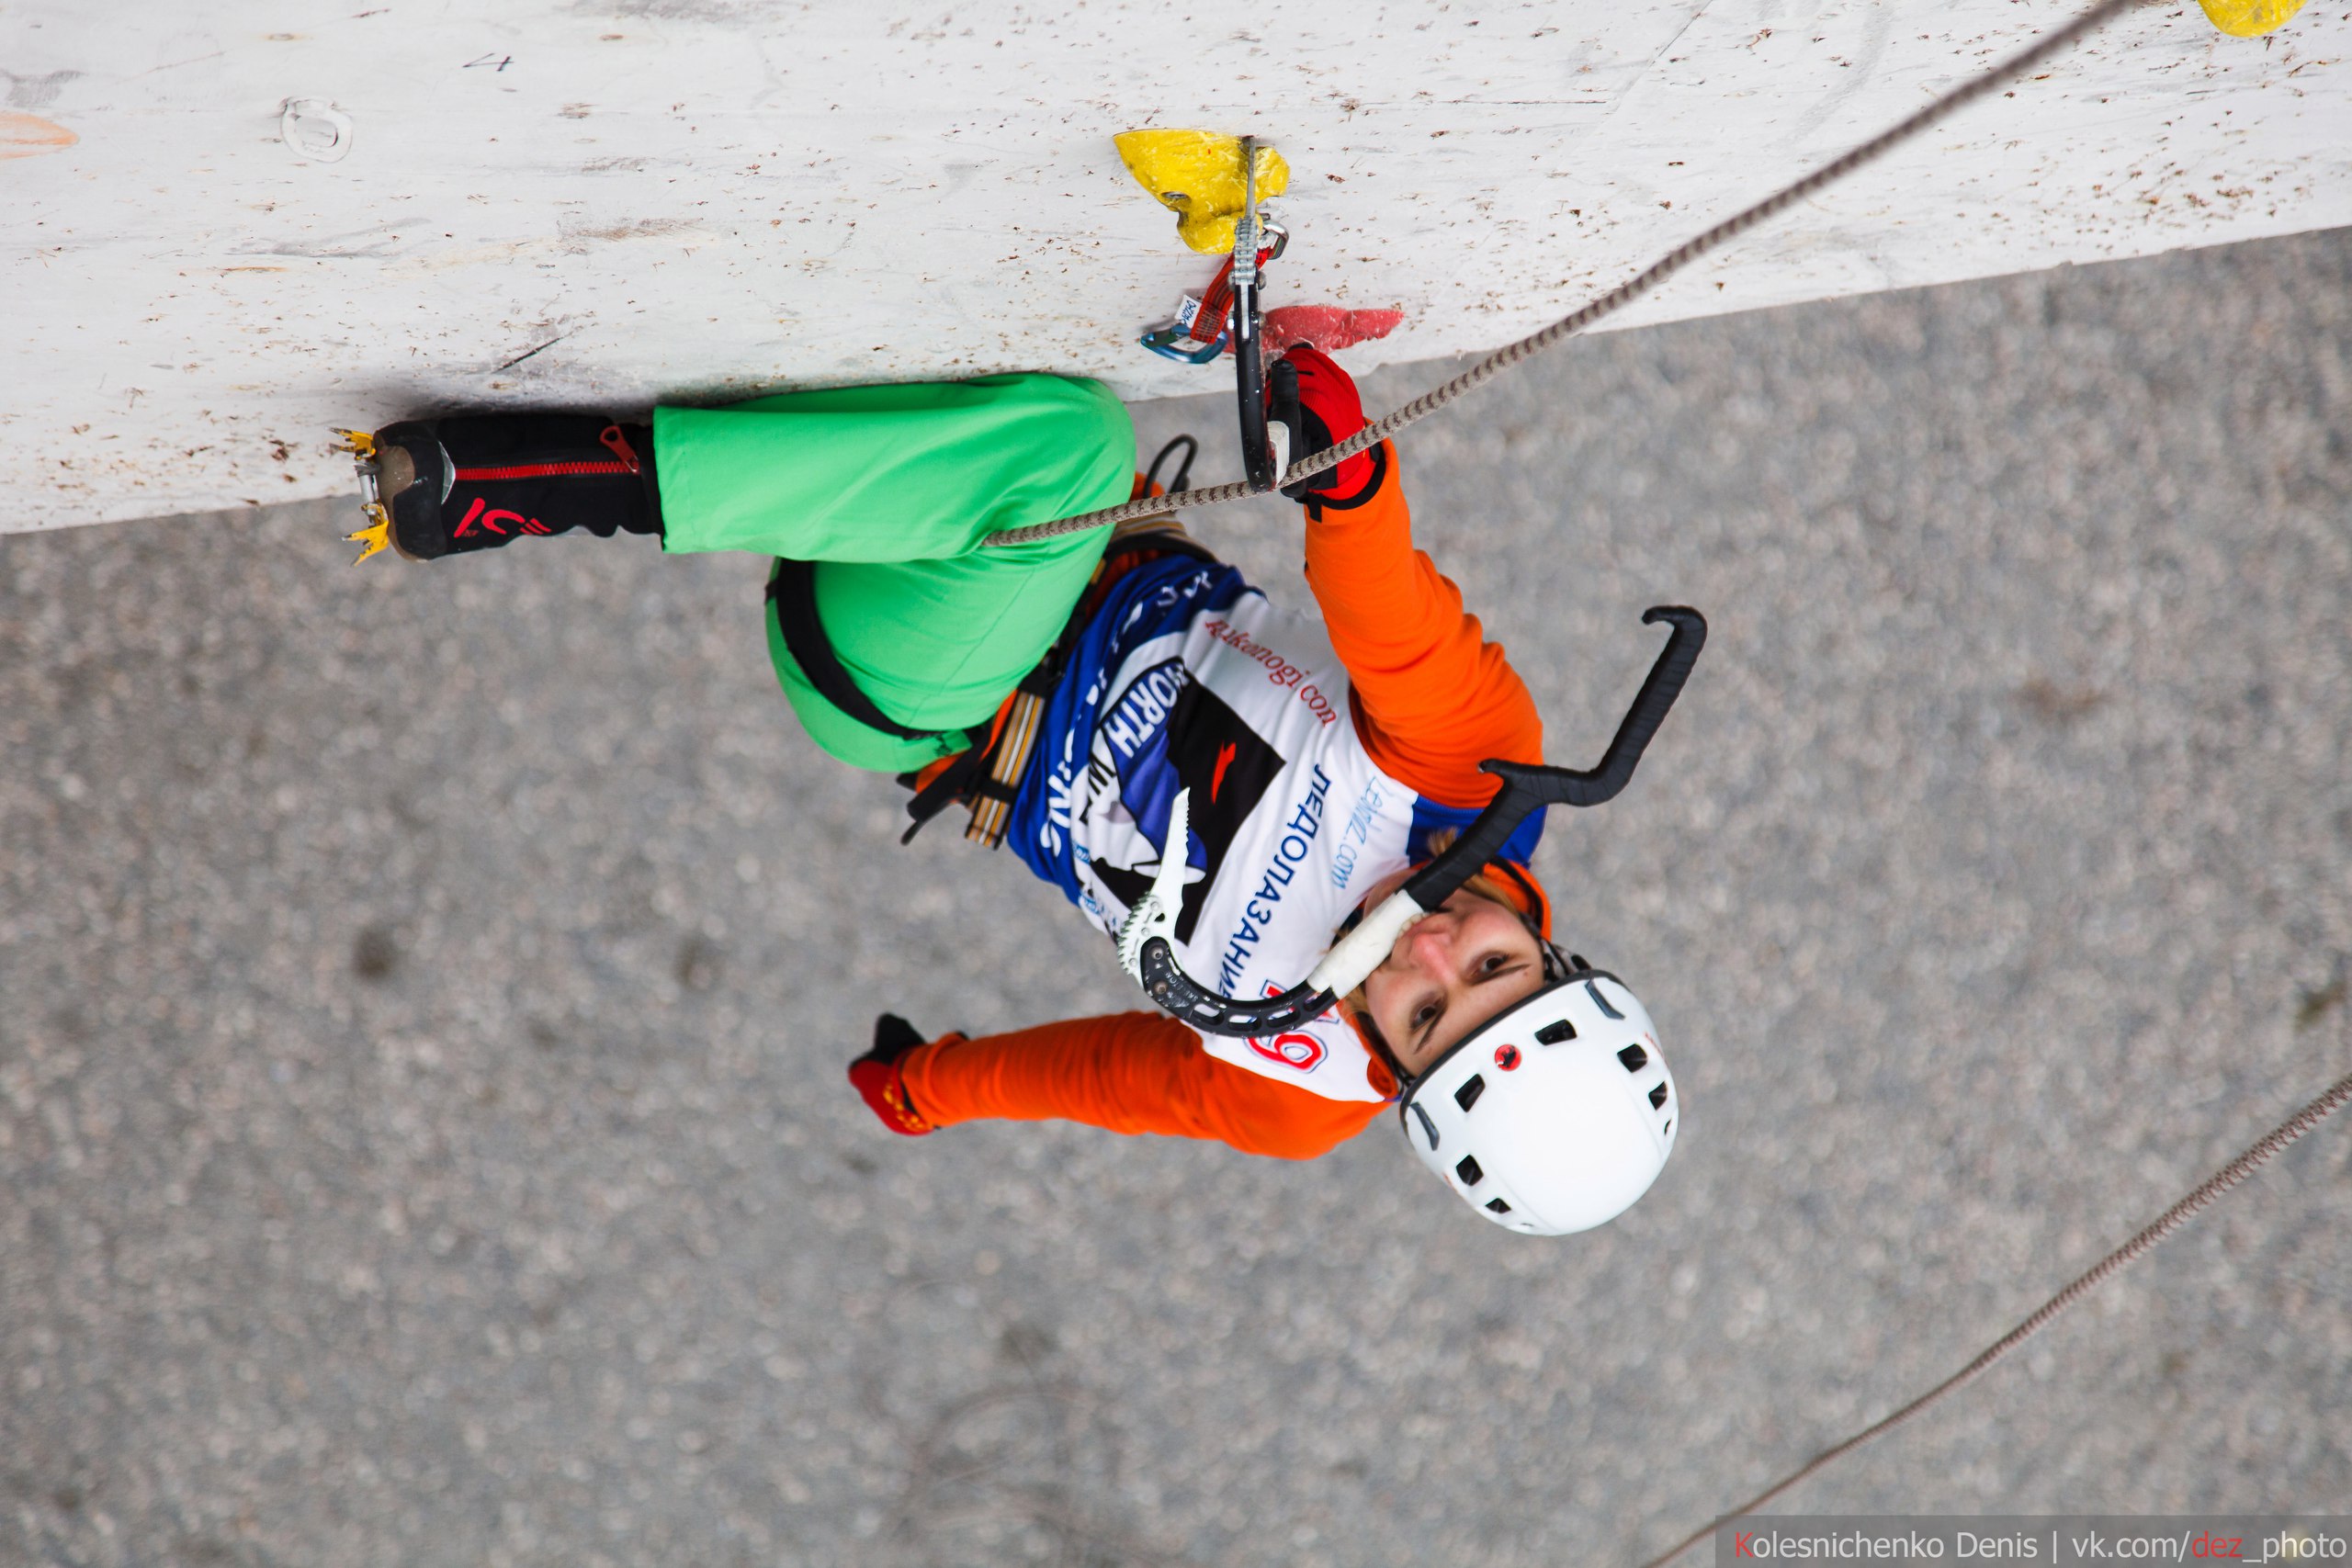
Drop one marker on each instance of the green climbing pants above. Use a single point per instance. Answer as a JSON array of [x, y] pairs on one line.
[[890, 490]]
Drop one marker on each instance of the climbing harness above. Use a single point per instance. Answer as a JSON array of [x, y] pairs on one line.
[[1147, 936], [987, 774], [2172, 1219], [1608, 304]]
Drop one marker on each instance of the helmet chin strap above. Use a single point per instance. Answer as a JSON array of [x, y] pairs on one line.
[[1147, 936]]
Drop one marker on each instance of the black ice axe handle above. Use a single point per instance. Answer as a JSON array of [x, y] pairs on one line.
[[1529, 785], [1259, 461], [1250, 388], [1526, 787]]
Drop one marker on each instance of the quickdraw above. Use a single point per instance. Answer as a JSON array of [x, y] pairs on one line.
[[1202, 328], [1226, 318]]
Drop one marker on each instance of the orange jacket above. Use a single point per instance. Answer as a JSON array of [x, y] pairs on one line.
[[1432, 699]]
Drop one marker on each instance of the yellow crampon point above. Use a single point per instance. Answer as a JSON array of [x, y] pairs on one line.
[[378, 534], [1197, 175], [2249, 18]]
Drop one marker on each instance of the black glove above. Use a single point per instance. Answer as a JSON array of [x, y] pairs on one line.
[[878, 1082]]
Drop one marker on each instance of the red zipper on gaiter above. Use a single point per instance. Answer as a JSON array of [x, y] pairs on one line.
[[624, 462]]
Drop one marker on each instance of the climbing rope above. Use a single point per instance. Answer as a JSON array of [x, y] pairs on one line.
[[1674, 261], [1624, 294], [2172, 1219]]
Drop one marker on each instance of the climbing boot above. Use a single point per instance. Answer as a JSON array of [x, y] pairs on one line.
[[442, 487]]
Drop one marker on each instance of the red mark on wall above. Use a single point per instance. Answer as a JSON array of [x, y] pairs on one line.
[[1327, 327], [28, 135]]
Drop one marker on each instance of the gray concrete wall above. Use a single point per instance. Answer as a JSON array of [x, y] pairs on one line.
[[423, 993]]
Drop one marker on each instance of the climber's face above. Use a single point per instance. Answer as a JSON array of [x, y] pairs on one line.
[[1451, 971]]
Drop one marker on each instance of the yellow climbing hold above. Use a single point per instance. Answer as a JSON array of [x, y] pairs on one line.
[[2249, 18], [1197, 175]]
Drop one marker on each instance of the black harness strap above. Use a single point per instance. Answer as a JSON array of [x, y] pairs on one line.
[[793, 592], [1318, 505], [955, 782]]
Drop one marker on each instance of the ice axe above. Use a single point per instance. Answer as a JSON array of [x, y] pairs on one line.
[[1264, 454], [1147, 938]]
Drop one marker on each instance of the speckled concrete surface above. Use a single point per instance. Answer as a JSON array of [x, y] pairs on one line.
[[423, 993]]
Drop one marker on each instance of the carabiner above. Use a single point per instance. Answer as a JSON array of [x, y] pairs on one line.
[[1162, 341]]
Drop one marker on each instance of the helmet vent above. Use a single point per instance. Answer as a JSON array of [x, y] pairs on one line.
[[1429, 1128], [1559, 1034], [1497, 1206], [1467, 1095], [1635, 1058], [1600, 1002], [1668, 1128], [1469, 1172], [1658, 1097]]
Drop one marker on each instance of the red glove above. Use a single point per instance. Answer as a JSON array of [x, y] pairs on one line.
[[878, 1080], [1324, 411]]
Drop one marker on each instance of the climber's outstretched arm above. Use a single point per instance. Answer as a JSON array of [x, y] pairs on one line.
[[1433, 697], [1134, 1072]]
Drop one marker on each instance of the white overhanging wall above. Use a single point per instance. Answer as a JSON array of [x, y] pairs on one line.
[[609, 202]]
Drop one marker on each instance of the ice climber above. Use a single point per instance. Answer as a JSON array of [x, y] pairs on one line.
[[1070, 687]]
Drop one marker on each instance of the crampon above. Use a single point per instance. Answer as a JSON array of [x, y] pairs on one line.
[[434, 488]]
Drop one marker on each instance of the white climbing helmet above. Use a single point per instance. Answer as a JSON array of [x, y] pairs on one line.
[[1556, 1114]]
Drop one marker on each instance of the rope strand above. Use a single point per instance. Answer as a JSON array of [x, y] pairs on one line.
[[1624, 294], [2172, 1219], [1666, 266]]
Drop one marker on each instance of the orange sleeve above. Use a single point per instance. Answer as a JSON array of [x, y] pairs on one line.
[[1131, 1072], [1433, 698]]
